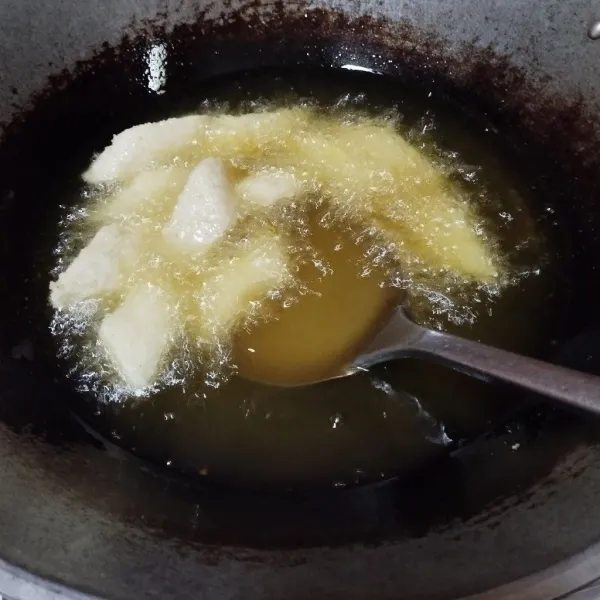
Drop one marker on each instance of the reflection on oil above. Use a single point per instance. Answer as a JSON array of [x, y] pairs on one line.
[[156, 60]]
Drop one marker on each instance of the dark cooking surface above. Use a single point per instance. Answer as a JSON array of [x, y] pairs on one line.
[[82, 512]]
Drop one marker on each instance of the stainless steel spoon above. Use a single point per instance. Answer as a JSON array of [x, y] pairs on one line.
[[401, 338]]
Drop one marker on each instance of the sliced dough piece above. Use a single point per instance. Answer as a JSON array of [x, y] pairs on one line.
[[240, 137], [100, 267], [267, 188], [134, 149], [235, 291], [151, 193], [205, 209], [372, 173], [137, 336]]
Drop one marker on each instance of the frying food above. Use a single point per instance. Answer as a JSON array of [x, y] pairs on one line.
[[208, 229]]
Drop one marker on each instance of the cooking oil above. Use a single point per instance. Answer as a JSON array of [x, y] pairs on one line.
[[211, 413]]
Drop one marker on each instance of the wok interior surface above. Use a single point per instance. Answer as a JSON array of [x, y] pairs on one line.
[[77, 509]]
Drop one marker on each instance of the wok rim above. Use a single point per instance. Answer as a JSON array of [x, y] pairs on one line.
[[562, 580]]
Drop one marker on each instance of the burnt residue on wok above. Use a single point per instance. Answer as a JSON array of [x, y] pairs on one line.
[[553, 136]]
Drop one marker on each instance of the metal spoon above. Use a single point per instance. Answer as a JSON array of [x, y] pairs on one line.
[[402, 337]]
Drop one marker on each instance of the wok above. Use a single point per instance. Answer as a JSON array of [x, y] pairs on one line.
[[80, 516]]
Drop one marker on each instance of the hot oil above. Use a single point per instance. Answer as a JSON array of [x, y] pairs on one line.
[[395, 418], [322, 331]]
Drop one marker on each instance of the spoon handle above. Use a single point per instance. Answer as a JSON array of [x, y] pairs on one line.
[[566, 385]]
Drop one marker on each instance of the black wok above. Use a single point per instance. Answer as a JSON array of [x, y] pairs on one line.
[[79, 513]]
